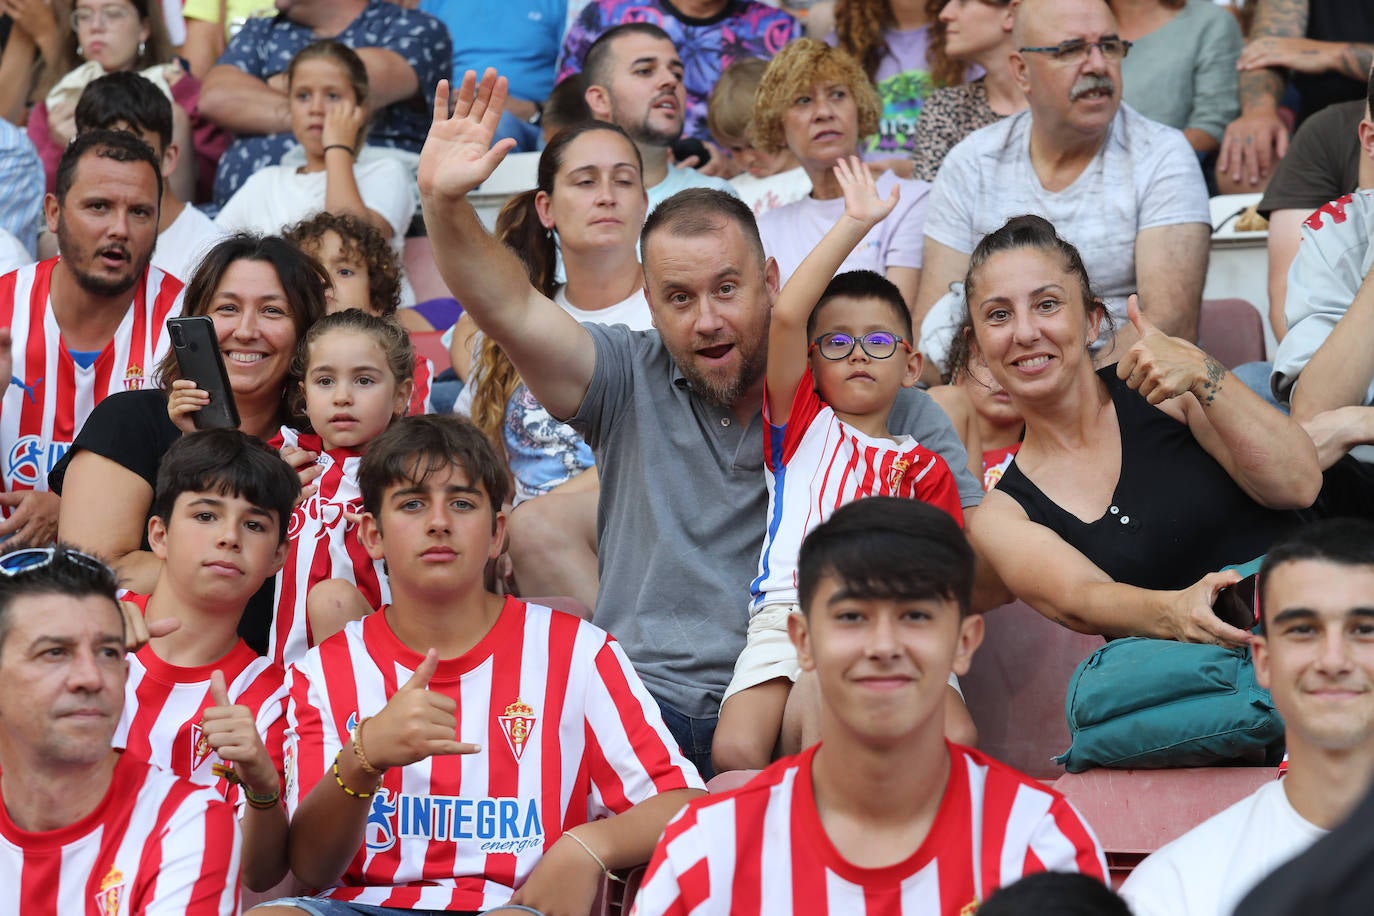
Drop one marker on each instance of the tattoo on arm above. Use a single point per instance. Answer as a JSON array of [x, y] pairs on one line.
[[1280, 19], [1211, 385], [1355, 61], [1257, 86]]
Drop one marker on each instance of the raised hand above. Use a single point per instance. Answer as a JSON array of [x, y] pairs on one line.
[[415, 723], [1161, 367], [862, 202], [458, 154], [233, 734]]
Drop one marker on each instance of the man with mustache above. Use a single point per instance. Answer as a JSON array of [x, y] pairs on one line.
[[1316, 656], [84, 325], [634, 80], [1127, 191], [673, 414]]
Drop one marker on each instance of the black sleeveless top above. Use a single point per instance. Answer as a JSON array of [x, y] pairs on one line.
[[1175, 515]]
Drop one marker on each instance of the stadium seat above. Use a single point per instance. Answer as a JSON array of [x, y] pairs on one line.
[[1134, 812], [615, 898], [1232, 331], [430, 344], [1015, 688]]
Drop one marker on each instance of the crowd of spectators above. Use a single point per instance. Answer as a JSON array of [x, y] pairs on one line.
[[813, 335]]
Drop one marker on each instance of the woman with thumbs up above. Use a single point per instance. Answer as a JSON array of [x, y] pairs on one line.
[[1136, 483]]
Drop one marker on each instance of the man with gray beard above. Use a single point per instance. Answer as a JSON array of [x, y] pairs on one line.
[[1125, 190]]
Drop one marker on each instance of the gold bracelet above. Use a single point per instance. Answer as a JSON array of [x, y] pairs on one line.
[[357, 742], [591, 852], [343, 785]]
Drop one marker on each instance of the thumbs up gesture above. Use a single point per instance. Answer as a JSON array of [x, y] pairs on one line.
[[416, 723], [1161, 367], [233, 734]]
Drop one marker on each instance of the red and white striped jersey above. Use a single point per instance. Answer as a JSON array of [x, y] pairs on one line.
[[50, 395], [322, 544], [568, 734], [762, 849], [424, 383], [163, 704], [816, 463], [156, 845]]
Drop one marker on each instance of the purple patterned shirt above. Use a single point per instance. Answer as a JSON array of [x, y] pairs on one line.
[[744, 28]]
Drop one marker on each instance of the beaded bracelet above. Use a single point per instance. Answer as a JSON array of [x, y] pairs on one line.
[[591, 852], [357, 742], [343, 785], [340, 146]]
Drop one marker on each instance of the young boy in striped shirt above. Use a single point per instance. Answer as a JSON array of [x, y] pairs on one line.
[[884, 816], [458, 750], [839, 350], [198, 701]]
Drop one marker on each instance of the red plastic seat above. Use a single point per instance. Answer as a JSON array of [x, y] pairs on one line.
[[1134, 812], [1015, 688], [431, 344], [1232, 331]]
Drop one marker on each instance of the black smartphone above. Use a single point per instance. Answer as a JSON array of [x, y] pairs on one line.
[[690, 146], [196, 346], [1235, 604]]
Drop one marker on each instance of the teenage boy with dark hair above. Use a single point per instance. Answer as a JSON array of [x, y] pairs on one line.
[[883, 815], [198, 701], [128, 101], [1316, 657], [83, 828], [456, 747]]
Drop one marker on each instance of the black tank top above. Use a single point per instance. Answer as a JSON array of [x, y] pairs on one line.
[[1175, 515]]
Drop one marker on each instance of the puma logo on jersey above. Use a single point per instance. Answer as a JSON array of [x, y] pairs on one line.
[[29, 390]]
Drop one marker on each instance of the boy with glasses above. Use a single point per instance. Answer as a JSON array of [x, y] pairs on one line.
[[839, 350]]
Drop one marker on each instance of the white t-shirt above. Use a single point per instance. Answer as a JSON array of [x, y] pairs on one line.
[[1145, 175], [680, 179], [1210, 868], [13, 255], [181, 245], [632, 311], [789, 233], [277, 196], [764, 194]]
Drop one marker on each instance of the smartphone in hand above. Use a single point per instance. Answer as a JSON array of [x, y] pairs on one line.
[[196, 346]]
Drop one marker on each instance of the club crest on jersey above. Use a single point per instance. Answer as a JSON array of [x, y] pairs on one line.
[[200, 746], [517, 724], [970, 908], [111, 893], [894, 476], [133, 377]]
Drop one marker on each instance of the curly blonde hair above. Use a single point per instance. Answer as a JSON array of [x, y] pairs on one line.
[[801, 65]]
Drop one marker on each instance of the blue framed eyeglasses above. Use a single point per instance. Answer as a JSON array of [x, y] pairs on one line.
[[877, 344], [1076, 50]]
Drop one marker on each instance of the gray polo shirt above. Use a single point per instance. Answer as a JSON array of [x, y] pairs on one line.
[[684, 504]]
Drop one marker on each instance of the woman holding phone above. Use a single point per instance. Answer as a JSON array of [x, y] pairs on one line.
[[262, 293]]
